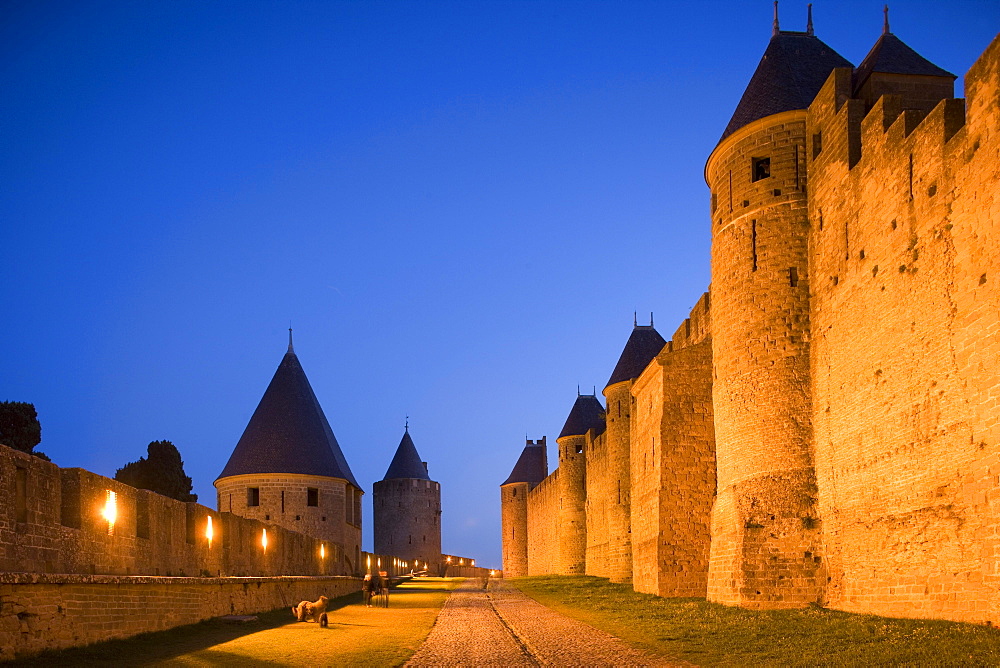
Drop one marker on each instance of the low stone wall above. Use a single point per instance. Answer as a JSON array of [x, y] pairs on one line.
[[40, 612]]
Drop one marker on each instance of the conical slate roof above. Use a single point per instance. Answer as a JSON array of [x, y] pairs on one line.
[[406, 462], [644, 343], [792, 70], [891, 55], [587, 414], [531, 467], [288, 433]]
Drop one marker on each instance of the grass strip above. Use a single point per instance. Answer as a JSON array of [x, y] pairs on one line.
[[710, 634], [356, 636]]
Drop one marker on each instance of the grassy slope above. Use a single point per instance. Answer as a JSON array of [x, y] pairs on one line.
[[356, 636], [711, 634]]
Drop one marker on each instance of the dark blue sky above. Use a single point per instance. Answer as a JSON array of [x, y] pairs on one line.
[[457, 205]]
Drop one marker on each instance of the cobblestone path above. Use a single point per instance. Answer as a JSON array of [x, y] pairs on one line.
[[503, 627]]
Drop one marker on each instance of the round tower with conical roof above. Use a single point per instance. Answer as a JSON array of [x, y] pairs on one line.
[[289, 470], [587, 416], [407, 510], [644, 343], [766, 540], [531, 468]]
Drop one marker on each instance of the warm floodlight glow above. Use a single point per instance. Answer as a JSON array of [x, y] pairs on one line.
[[379, 562], [322, 550], [369, 562], [209, 533], [263, 539], [473, 562], [448, 560], [461, 562], [110, 511], [492, 573]]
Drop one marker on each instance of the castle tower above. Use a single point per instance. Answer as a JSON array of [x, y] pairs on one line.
[[586, 416], [766, 537], [531, 468], [644, 343], [407, 506], [893, 68], [288, 469]]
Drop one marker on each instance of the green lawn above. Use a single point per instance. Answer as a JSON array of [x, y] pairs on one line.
[[356, 636], [716, 635]]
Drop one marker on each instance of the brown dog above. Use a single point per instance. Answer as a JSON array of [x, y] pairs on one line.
[[316, 610]]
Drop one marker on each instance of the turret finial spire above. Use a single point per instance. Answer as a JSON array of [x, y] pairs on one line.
[[290, 349], [650, 318], [635, 318], [578, 389], [885, 20], [775, 30], [809, 21], [406, 426]]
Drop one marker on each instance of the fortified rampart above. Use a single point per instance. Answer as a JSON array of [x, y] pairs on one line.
[[829, 430], [906, 382]]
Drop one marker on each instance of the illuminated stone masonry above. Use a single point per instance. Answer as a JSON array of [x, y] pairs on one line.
[[825, 426]]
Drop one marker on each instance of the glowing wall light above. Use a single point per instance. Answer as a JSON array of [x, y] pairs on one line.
[[322, 550], [209, 532], [263, 539], [110, 510], [473, 562], [369, 563]]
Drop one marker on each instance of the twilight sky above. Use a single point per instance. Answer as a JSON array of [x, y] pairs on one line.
[[457, 206]]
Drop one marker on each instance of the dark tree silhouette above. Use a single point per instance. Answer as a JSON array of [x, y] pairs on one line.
[[19, 427], [162, 471]]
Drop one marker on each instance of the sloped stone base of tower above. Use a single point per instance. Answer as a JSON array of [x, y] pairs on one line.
[[767, 543]]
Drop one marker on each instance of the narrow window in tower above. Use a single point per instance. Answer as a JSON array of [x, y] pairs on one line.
[[282, 502], [760, 168], [793, 276], [619, 491], [619, 409], [817, 143], [253, 496], [753, 242], [312, 496], [847, 243], [515, 491], [410, 540], [778, 192], [911, 176], [230, 503], [715, 202], [730, 192], [579, 449]]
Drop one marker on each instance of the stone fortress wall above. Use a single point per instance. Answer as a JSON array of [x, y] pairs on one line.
[[66, 580], [825, 426]]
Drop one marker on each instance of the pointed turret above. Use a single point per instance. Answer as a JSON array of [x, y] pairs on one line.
[[414, 535], [793, 68], [288, 433], [406, 462], [644, 343], [532, 466], [287, 469], [587, 413], [893, 68]]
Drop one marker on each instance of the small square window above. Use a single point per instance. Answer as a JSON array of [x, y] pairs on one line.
[[312, 496], [761, 169], [253, 496]]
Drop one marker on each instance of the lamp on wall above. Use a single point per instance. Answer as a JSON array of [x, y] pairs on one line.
[[209, 533], [110, 511], [322, 550], [263, 540]]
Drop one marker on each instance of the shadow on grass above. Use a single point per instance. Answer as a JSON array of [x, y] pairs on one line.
[[156, 646]]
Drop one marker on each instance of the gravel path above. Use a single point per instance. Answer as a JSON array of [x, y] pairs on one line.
[[503, 627]]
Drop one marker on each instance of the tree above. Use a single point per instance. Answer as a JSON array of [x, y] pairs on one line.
[[19, 427], [162, 471]]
